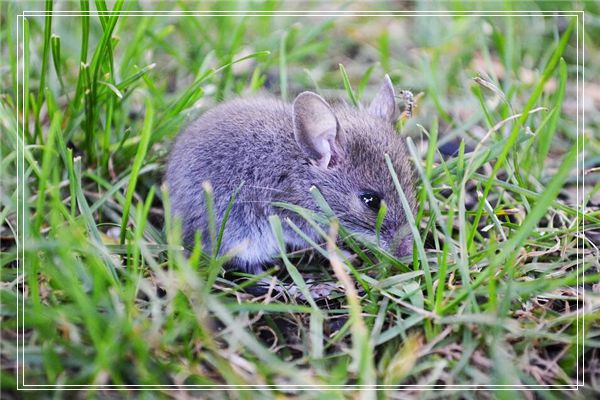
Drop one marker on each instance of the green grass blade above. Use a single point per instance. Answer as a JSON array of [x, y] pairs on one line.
[[137, 165], [516, 240], [347, 86], [512, 137], [546, 135], [283, 82], [291, 268], [45, 56], [26, 74], [47, 164], [226, 218], [55, 41], [91, 223], [414, 229]]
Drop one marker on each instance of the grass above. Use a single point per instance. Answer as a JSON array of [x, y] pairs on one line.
[[503, 283]]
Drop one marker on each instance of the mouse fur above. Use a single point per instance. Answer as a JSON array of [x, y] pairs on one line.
[[279, 151]]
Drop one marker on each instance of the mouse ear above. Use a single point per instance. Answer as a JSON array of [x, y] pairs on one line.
[[384, 104], [315, 128]]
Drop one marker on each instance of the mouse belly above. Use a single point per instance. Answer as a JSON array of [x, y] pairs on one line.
[[251, 255], [254, 248]]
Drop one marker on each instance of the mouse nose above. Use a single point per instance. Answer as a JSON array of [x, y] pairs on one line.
[[402, 245]]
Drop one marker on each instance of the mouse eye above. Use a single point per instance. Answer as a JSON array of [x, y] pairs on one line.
[[371, 200]]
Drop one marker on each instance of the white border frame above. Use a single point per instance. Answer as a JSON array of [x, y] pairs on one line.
[[21, 385]]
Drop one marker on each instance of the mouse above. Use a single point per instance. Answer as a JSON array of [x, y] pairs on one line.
[[268, 151]]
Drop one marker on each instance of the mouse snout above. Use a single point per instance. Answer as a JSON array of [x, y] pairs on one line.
[[402, 244]]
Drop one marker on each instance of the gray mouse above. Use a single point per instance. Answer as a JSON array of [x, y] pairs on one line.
[[274, 151]]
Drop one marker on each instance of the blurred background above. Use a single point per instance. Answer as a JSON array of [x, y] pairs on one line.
[[436, 57]]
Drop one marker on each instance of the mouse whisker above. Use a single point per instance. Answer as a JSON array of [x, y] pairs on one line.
[[251, 201], [253, 187], [355, 221]]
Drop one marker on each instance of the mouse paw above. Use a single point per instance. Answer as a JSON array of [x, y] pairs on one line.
[[317, 290], [322, 290]]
